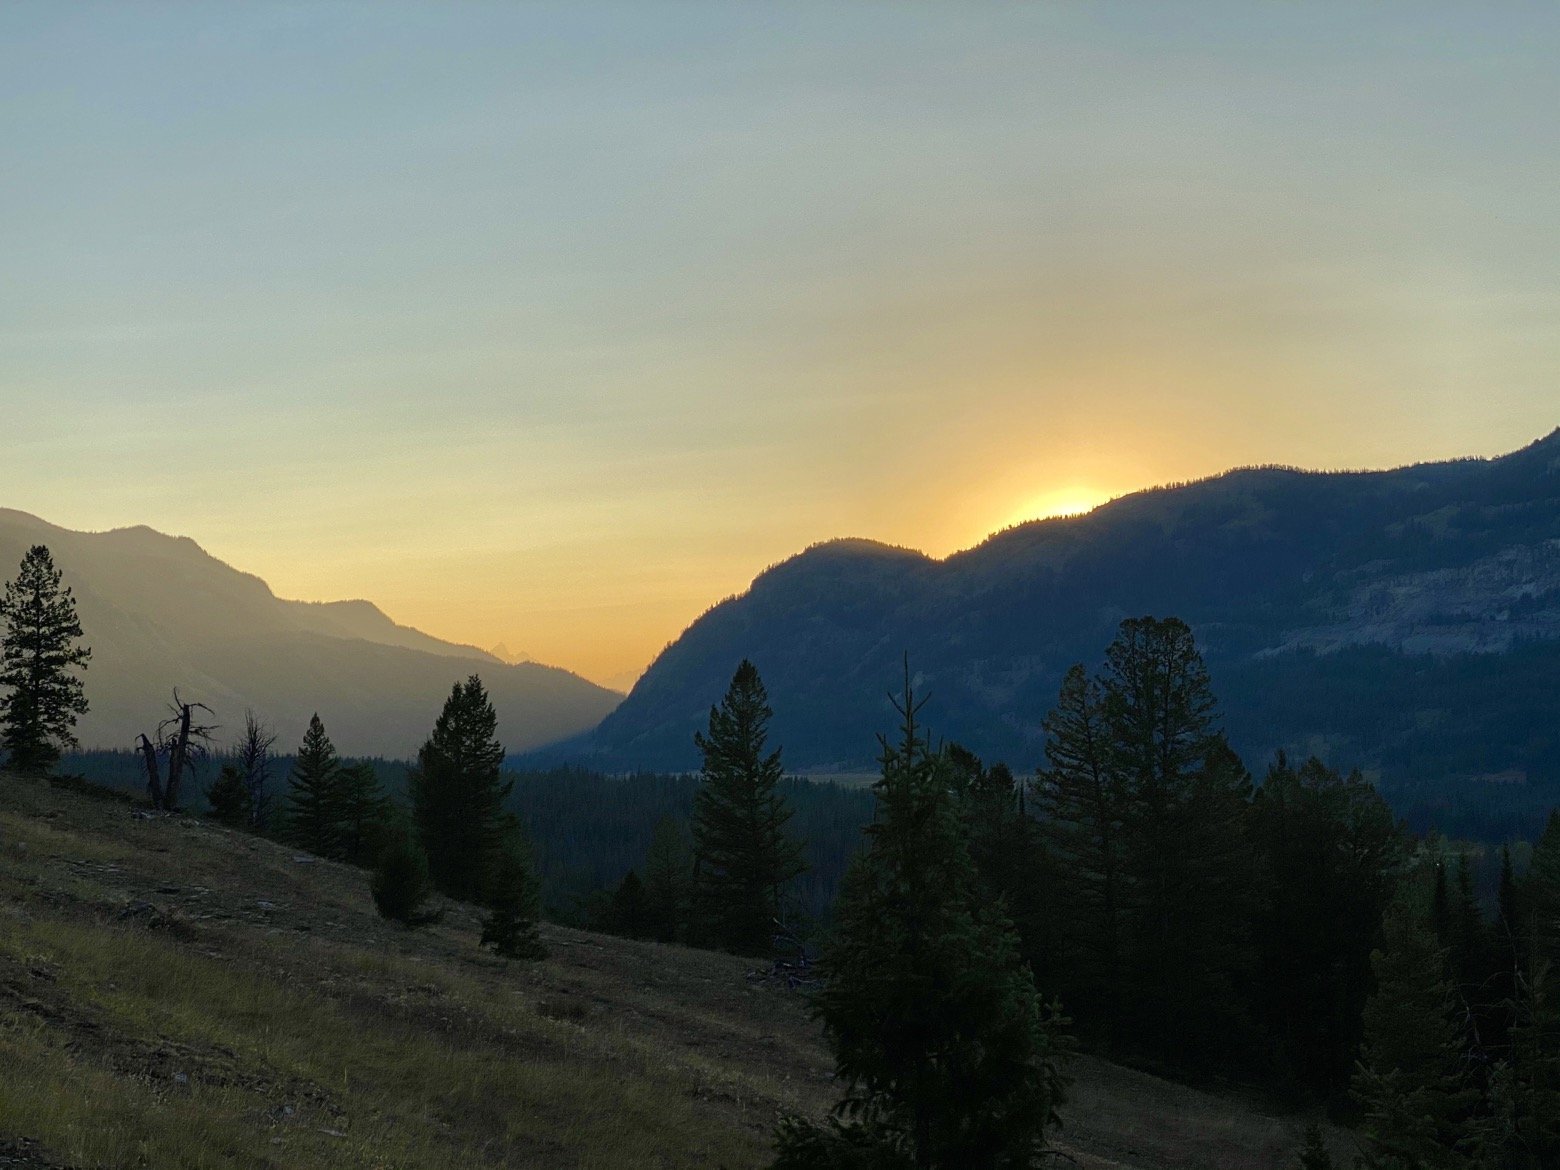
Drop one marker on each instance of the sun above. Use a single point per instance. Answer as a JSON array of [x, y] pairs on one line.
[[1068, 501]]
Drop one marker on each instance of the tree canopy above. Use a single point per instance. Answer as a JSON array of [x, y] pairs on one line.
[[42, 695]]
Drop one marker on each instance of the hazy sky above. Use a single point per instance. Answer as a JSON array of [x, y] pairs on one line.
[[554, 325]]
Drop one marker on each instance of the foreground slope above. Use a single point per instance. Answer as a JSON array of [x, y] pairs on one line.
[[176, 995], [159, 612], [1406, 621]]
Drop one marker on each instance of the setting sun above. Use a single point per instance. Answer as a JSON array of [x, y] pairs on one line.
[[1070, 501]]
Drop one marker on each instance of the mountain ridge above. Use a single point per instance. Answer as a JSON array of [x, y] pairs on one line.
[[161, 612], [1430, 563]]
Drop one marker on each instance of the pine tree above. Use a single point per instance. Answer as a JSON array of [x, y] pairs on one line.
[[512, 900], [1540, 895], [364, 811], [744, 855], [1315, 1156], [1411, 1082], [1009, 855], [400, 884], [38, 652], [1188, 856], [458, 795], [228, 797], [1522, 1129], [313, 814], [668, 881], [1326, 848], [1508, 903], [948, 1057], [627, 915], [1083, 808]]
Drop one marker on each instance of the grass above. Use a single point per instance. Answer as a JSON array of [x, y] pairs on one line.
[[174, 995]]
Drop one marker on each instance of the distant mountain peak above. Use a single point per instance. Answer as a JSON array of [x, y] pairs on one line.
[[503, 653], [160, 612]]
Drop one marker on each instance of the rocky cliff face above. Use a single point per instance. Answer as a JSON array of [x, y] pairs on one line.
[[1479, 608]]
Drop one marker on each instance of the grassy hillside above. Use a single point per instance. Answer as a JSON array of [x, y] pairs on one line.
[[176, 995]]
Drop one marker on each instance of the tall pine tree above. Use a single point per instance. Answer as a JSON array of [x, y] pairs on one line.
[[1009, 855], [458, 794], [1188, 856], [1084, 813], [743, 853], [313, 814], [1540, 896], [668, 881], [365, 813], [513, 899], [40, 697], [948, 1058], [1411, 1082], [1326, 847]]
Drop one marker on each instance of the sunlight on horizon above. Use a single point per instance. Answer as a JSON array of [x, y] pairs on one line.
[[1070, 501]]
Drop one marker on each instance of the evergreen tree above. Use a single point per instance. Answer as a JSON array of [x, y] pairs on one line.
[[744, 855], [1084, 809], [1540, 895], [626, 915], [228, 797], [42, 699], [458, 795], [668, 882], [313, 814], [1188, 854], [365, 812], [1315, 1156], [1523, 1132], [1509, 915], [1410, 1082], [1441, 905], [513, 899], [400, 884], [948, 1058], [1327, 848], [1009, 855]]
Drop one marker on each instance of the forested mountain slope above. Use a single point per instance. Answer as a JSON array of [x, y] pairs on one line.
[[1406, 621], [159, 612]]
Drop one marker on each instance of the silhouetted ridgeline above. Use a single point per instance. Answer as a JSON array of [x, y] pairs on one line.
[[1405, 621], [160, 612]]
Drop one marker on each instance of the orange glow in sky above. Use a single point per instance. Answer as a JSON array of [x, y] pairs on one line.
[[553, 325], [1068, 501]]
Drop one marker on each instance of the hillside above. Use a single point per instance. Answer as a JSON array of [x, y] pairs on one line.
[[176, 995], [159, 612], [1406, 621]]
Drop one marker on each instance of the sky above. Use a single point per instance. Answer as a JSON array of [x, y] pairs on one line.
[[554, 325]]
